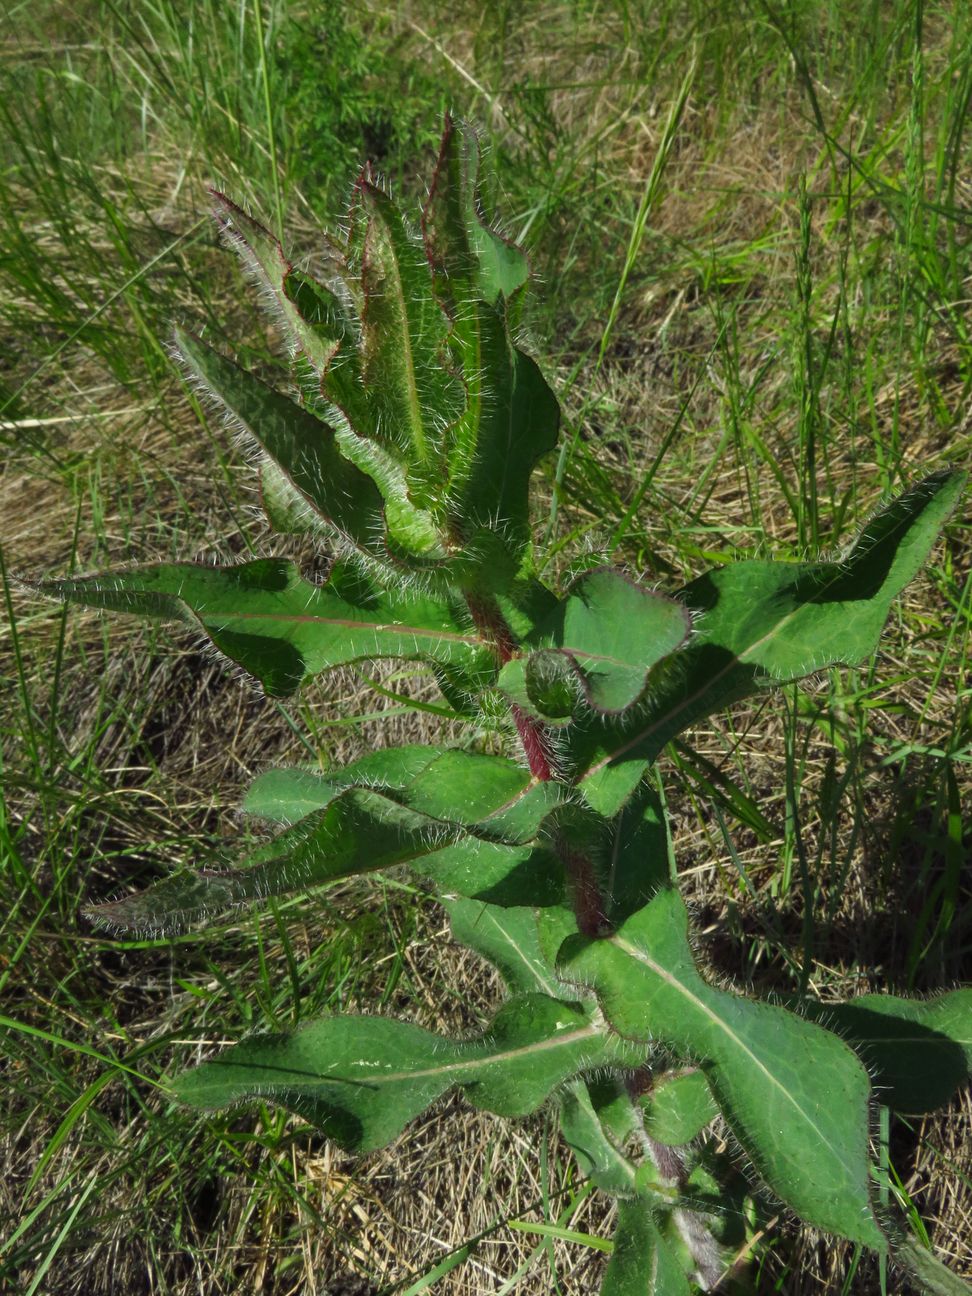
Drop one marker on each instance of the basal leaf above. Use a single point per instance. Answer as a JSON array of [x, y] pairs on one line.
[[794, 1094], [279, 627], [305, 451], [362, 1079], [763, 623], [918, 1051]]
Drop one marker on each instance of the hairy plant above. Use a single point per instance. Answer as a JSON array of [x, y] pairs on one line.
[[406, 448]]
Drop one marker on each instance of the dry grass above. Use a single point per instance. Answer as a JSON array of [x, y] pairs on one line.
[[282, 1211]]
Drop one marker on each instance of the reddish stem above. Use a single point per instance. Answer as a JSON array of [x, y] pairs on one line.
[[534, 736], [588, 903], [538, 748]]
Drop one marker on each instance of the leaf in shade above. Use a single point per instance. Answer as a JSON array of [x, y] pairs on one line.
[[918, 1051], [644, 1262], [793, 1094], [305, 450], [611, 631], [597, 1136], [362, 1079], [279, 627], [758, 624]]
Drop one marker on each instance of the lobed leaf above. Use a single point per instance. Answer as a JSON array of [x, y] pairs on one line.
[[794, 1094], [276, 625], [758, 624], [362, 1079]]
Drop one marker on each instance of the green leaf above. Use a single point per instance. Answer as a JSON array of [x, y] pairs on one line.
[[508, 938], [794, 1094], [644, 1263], [611, 631], [497, 797], [511, 417], [362, 1079], [312, 316], [758, 624], [471, 260], [377, 814], [678, 1107], [357, 832], [593, 1137], [404, 335], [510, 422], [918, 1051], [279, 627], [510, 876], [595, 1131], [287, 795], [305, 450]]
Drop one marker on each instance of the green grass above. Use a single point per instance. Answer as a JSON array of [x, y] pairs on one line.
[[757, 323]]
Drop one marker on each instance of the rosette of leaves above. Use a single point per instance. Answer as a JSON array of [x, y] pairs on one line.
[[405, 443]]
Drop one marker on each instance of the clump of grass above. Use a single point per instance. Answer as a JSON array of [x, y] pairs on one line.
[[766, 331]]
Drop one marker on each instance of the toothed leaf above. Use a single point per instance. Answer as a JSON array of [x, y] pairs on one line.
[[597, 1137], [510, 422], [499, 797]]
